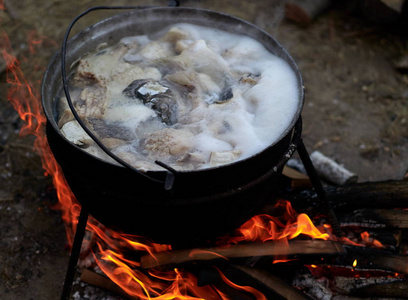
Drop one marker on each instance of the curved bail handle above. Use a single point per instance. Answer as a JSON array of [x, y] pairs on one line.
[[171, 173]]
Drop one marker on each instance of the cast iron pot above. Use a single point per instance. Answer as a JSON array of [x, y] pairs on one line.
[[201, 204]]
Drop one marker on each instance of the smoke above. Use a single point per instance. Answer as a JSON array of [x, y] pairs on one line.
[[266, 14], [269, 15]]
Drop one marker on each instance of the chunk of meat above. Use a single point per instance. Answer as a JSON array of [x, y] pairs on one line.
[[169, 142]]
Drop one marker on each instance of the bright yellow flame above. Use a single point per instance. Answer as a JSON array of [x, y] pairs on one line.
[[354, 263]]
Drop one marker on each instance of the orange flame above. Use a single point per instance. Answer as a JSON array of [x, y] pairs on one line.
[[264, 227], [25, 100], [248, 289], [365, 237]]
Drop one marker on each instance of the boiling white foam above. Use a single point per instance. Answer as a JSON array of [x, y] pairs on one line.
[[261, 109]]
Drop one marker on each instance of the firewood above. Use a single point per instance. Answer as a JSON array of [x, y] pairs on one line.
[[299, 181], [377, 259], [356, 286], [389, 218], [403, 242], [331, 171], [398, 290], [272, 248], [101, 281], [379, 195], [273, 282], [304, 11]]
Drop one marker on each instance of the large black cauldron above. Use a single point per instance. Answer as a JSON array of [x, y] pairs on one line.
[[201, 204]]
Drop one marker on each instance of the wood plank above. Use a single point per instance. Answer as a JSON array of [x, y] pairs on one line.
[[377, 218], [274, 283], [271, 248], [377, 195]]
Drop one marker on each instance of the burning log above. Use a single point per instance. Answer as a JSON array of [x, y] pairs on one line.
[[381, 194], [103, 282], [273, 282], [375, 259], [301, 247], [261, 282]]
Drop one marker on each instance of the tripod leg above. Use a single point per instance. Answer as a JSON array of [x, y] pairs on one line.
[[321, 195], [76, 249]]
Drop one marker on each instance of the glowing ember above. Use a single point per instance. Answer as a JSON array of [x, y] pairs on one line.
[[365, 237]]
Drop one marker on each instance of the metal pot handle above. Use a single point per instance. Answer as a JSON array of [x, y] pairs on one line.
[[171, 172]]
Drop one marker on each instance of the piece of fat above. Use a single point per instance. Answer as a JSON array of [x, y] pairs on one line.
[[175, 34], [97, 69], [194, 157], [127, 75], [75, 134], [96, 151], [64, 112], [221, 158], [135, 113], [156, 50], [92, 102], [137, 161], [169, 142]]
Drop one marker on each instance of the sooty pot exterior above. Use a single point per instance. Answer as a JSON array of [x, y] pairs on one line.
[[201, 204]]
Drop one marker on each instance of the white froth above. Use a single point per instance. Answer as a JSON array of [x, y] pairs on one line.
[[264, 88]]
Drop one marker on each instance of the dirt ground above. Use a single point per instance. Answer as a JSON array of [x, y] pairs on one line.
[[356, 112]]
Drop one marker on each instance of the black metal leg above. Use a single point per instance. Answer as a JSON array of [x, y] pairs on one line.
[[76, 249], [317, 185]]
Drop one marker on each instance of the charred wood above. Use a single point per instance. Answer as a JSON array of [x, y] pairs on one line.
[[305, 247], [273, 282], [244, 280], [376, 259], [353, 286], [103, 282], [403, 242], [397, 289], [378, 195], [376, 218]]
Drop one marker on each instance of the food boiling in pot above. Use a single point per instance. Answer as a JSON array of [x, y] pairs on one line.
[[192, 97]]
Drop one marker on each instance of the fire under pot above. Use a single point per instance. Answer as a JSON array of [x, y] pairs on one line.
[[168, 206]]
